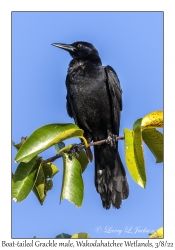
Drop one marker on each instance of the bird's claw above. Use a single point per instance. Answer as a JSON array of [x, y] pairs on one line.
[[112, 140], [75, 150]]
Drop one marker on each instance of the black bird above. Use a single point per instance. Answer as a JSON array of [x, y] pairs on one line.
[[94, 100]]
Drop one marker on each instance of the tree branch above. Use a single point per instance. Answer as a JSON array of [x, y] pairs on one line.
[[53, 158]]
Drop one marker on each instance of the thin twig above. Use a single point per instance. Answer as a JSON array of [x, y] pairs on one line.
[[51, 159], [103, 141]]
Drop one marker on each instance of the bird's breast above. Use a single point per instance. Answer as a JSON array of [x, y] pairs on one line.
[[90, 97], [87, 82]]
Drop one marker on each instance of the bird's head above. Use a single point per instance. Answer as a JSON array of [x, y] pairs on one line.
[[80, 50]]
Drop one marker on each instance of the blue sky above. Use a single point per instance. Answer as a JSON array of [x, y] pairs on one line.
[[130, 42]]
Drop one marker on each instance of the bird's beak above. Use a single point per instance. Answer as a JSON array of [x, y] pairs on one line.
[[67, 47]]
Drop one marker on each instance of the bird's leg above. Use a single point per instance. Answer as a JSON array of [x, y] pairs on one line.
[[75, 150], [111, 139]]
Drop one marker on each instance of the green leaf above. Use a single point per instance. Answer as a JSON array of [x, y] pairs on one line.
[[83, 159], [80, 236], [63, 236], [24, 179], [39, 185], [50, 170], [72, 186], [42, 184], [66, 149], [154, 141], [157, 234], [45, 137], [138, 150], [153, 120], [49, 185], [130, 159]]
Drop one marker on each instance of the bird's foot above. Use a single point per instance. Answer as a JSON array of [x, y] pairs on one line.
[[75, 150], [112, 140]]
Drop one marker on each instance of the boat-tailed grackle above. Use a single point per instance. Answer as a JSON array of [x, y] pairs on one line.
[[94, 100]]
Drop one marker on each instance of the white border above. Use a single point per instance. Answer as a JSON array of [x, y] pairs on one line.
[[5, 91]]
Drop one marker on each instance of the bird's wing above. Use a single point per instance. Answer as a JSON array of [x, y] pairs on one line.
[[70, 108], [115, 94]]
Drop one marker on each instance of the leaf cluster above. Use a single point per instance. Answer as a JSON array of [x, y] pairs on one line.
[[35, 174], [144, 130]]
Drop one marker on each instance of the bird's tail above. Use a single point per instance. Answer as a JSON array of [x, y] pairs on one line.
[[110, 176]]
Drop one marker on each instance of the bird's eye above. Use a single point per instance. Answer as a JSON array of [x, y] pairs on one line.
[[79, 45]]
